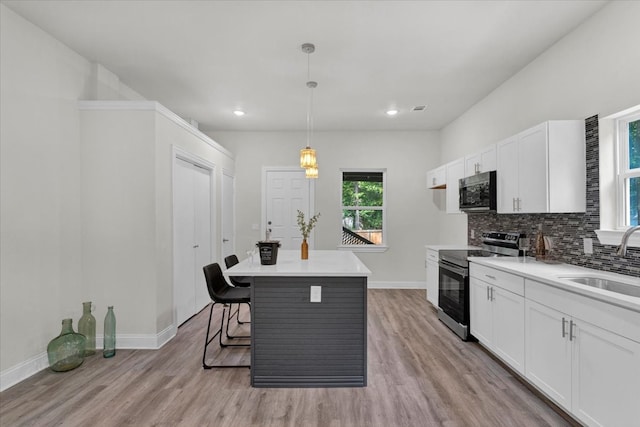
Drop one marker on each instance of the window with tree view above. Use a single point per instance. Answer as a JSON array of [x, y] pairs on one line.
[[363, 208], [629, 168]]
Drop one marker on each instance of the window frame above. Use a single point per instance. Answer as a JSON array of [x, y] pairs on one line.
[[623, 170], [382, 247]]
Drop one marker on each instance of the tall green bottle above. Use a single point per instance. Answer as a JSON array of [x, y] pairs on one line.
[[109, 348], [87, 327]]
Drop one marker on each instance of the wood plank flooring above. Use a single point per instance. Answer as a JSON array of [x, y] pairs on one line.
[[420, 374]]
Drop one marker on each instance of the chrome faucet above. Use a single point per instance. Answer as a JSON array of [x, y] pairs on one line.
[[622, 249]]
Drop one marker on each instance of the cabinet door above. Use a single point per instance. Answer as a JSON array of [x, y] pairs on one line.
[[481, 318], [606, 377], [548, 352], [455, 171], [432, 282], [437, 178], [472, 164], [488, 159], [507, 174], [508, 327], [533, 186]]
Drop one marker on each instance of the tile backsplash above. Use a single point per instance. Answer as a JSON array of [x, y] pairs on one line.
[[566, 230]]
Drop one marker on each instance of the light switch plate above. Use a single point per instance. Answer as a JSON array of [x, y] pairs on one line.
[[588, 245], [316, 294]]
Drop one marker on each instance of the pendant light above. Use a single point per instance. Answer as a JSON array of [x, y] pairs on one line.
[[308, 159]]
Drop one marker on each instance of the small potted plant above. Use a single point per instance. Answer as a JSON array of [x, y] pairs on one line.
[[305, 229]]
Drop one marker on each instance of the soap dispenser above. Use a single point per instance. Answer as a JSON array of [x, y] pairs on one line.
[[541, 248]]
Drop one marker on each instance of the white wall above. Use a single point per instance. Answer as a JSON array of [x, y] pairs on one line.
[[127, 219], [80, 221], [593, 70], [412, 212], [40, 263]]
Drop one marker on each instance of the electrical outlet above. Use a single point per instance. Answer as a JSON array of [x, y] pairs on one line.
[[588, 245], [316, 294], [473, 233]]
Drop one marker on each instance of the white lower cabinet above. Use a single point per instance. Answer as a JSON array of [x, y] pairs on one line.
[[548, 352], [432, 276], [591, 372], [497, 314], [584, 354]]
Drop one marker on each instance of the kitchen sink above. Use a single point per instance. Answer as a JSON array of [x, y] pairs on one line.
[[606, 284]]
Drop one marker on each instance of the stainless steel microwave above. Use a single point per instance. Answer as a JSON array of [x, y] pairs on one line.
[[478, 192]]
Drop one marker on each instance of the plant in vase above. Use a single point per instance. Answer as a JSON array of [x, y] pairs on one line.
[[305, 230]]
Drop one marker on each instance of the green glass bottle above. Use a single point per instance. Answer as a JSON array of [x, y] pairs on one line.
[[87, 327], [109, 348], [66, 351]]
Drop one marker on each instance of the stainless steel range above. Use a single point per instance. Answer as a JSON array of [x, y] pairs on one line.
[[453, 284]]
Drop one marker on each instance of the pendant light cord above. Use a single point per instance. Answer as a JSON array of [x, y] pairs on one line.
[[309, 120]]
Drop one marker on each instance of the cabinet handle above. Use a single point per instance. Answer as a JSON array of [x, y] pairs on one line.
[[492, 294], [433, 181], [571, 336], [519, 204], [513, 203], [196, 246], [488, 293], [564, 332], [490, 277]]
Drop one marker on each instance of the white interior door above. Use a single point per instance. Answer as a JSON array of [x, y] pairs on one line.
[[286, 190], [228, 215], [183, 231], [202, 234], [192, 240]]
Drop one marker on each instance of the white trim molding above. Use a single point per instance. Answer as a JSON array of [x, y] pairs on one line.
[[159, 108], [37, 363], [23, 370], [614, 237]]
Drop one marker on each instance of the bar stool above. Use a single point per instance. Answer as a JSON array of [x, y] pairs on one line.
[[222, 293]]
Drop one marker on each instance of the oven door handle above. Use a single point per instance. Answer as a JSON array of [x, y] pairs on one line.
[[460, 271]]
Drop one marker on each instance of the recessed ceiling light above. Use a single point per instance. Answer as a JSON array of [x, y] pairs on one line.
[[392, 112], [238, 113]]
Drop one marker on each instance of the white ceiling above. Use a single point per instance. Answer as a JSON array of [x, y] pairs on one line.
[[202, 59]]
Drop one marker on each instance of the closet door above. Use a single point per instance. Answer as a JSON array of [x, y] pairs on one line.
[[202, 233], [192, 237]]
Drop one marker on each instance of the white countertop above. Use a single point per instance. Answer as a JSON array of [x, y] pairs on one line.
[[550, 274], [451, 247], [319, 264]]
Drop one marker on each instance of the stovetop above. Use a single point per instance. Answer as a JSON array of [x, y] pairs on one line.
[[494, 244]]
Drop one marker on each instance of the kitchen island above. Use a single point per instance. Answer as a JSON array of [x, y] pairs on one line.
[[308, 319]]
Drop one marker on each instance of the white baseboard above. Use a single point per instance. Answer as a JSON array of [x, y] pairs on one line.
[[397, 285], [35, 364], [23, 370]]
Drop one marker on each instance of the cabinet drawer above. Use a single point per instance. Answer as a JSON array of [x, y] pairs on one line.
[[607, 316], [504, 280]]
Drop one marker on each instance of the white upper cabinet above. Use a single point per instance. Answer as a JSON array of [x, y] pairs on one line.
[[482, 161], [455, 171], [437, 178], [542, 169]]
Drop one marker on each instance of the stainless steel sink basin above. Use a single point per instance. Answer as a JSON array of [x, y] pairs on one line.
[[607, 284]]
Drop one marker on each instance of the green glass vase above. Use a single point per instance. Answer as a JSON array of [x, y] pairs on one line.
[[87, 327], [109, 347], [66, 351]]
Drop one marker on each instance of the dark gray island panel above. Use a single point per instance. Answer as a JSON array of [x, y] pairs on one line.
[[298, 343]]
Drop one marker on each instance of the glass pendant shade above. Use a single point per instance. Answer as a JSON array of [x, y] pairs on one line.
[[311, 172], [308, 158]]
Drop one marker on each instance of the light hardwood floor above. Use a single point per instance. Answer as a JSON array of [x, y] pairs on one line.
[[419, 372]]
